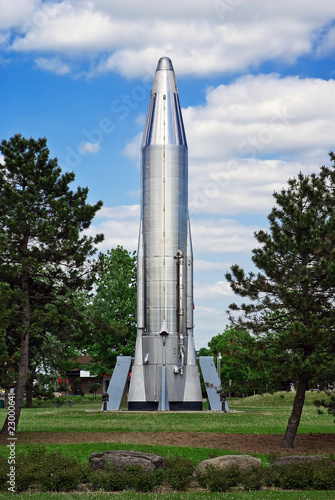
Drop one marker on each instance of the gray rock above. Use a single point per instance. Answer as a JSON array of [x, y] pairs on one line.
[[299, 459], [244, 462], [124, 458]]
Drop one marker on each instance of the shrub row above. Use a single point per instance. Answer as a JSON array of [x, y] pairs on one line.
[[58, 472], [307, 476], [47, 471]]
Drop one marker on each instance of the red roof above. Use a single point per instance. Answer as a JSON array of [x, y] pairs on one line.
[[85, 360]]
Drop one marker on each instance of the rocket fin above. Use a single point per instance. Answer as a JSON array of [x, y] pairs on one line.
[[136, 387], [192, 391], [164, 395]]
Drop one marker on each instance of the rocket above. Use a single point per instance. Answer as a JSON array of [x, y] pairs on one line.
[[165, 374]]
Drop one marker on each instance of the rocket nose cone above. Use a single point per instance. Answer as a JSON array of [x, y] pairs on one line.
[[164, 124], [164, 63]]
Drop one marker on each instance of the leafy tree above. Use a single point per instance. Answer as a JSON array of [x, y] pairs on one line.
[[112, 310], [242, 363], [327, 401], [44, 257], [50, 356], [54, 352], [93, 387], [231, 347], [292, 309]]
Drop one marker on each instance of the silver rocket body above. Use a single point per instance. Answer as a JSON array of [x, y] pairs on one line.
[[165, 373]]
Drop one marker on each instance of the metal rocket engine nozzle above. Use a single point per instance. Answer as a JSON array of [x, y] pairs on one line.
[[165, 373]]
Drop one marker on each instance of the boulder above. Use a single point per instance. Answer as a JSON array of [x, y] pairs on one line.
[[124, 458], [299, 459], [244, 462]]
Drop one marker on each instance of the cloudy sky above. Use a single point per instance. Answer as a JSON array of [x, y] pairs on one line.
[[256, 83]]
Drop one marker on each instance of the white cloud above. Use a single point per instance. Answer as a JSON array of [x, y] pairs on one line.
[[234, 138], [4, 39], [134, 193], [121, 212], [240, 185], [140, 120], [262, 115], [132, 149], [250, 137], [18, 13], [204, 265], [54, 65], [89, 147], [2, 159], [211, 302], [120, 225], [326, 46], [117, 232], [201, 37], [210, 291], [219, 236], [209, 321]]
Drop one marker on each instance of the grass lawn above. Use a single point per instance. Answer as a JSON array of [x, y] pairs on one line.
[[130, 495], [82, 451], [267, 414]]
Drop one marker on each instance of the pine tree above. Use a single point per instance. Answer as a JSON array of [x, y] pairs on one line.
[[45, 253], [293, 309]]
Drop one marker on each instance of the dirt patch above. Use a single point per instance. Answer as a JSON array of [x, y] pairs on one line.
[[246, 443]]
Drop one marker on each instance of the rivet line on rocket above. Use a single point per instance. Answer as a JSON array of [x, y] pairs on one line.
[[164, 201]]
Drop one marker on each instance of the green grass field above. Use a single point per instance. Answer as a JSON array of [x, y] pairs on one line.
[[131, 495], [267, 414], [82, 451]]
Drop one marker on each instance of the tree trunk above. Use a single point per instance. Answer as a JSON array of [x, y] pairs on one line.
[[294, 420], [8, 428], [6, 398], [29, 389], [16, 403]]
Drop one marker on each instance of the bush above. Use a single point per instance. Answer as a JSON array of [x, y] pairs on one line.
[[324, 476], [216, 479], [3, 473], [272, 476], [140, 480], [179, 472], [99, 480], [297, 476], [309, 475], [290, 476], [61, 473], [129, 478], [111, 479], [252, 480], [28, 468], [24, 478], [49, 472]]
